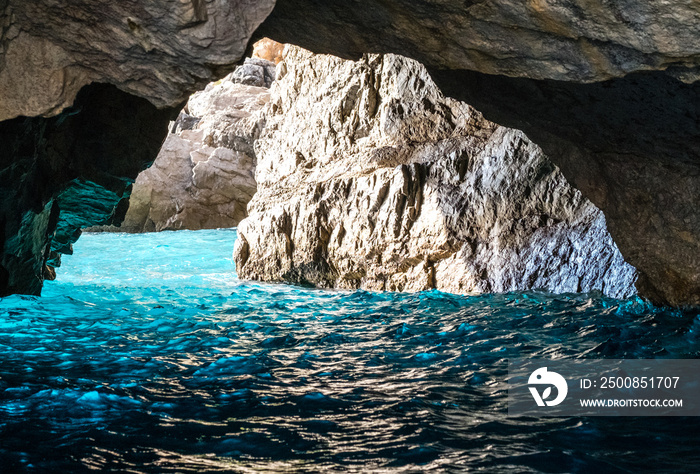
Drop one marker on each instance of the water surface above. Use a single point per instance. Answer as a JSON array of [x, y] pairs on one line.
[[148, 355]]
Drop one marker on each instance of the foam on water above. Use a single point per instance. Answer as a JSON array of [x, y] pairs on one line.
[[148, 355]]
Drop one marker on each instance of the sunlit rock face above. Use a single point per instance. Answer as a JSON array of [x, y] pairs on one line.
[[204, 175], [161, 50], [630, 142], [269, 50], [368, 177], [632, 146], [62, 173]]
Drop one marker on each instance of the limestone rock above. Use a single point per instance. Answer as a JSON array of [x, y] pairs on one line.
[[160, 50], [269, 50], [630, 143], [368, 177], [565, 40], [255, 72], [203, 176], [632, 146]]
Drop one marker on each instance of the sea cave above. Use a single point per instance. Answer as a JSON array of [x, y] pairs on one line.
[[372, 236]]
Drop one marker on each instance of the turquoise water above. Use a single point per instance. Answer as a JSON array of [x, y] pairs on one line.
[[148, 355]]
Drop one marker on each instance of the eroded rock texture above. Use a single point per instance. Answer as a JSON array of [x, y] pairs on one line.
[[59, 174], [632, 146], [569, 40], [369, 177], [631, 143], [204, 176], [161, 50], [74, 167]]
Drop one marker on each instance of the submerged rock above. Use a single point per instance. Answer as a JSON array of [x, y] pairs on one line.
[[368, 177], [203, 176]]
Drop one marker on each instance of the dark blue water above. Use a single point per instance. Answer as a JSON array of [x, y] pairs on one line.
[[147, 355]]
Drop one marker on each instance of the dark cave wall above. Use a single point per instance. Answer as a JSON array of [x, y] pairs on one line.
[[567, 40], [66, 171], [631, 145]]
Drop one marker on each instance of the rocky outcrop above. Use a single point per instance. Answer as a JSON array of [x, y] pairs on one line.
[[87, 74], [368, 177], [204, 177], [632, 146], [269, 50], [161, 50], [631, 143]]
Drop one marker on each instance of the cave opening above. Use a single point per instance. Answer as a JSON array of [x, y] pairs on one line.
[[400, 189], [429, 247]]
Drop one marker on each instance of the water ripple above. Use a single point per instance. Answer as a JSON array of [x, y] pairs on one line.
[[161, 361]]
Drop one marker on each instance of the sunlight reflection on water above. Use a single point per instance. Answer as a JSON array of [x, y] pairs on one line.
[[148, 355]]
